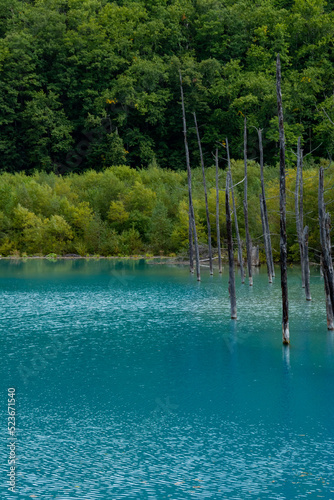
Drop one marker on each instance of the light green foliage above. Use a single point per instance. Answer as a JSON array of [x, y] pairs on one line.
[[79, 216], [117, 213], [140, 198], [161, 229], [58, 234], [180, 234], [30, 230], [109, 213], [144, 211]]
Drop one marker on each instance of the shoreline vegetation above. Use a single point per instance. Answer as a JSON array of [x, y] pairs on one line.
[[122, 212]]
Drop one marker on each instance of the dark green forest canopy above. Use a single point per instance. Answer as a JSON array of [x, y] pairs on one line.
[[91, 83]]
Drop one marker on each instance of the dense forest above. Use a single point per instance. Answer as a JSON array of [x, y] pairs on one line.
[[87, 84]]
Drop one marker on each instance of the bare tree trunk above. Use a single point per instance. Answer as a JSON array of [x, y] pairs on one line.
[[205, 195], [302, 233], [301, 191], [283, 237], [191, 246], [299, 226], [235, 216], [329, 310], [305, 270], [192, 231], [327, 266], [217, 218], [231, 283], [306, 266], [330, 278], [266, 231], [248, 240]]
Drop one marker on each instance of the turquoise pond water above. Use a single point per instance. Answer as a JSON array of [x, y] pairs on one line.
[[132, 382]]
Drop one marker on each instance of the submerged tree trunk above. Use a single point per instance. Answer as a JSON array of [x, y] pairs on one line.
[[265, 226], [306, 265], [191, 246], [330, 276], [327, 266], [235, 216], [329, 309], [299, 215], [231, 283], [192, 232], [248, 240], [283, 237], [205, 195], [217, 218]]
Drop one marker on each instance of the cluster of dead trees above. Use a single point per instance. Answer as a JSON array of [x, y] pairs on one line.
[[302, 231]]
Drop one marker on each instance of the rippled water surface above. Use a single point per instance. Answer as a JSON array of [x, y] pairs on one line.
[[132, 382]]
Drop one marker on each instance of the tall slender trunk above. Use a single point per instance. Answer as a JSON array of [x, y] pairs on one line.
[[217, 217], [329, 309], [301, 218], [328, 260], [235, 216], [248, 240], [266, 230], [283, 237], [302, 233], [299, 226], [191, 246], [191, 206], [301, 191], [306, 265], [205, 195], [231, 283]]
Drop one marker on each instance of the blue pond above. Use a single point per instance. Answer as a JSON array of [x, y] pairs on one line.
[[132, 382]]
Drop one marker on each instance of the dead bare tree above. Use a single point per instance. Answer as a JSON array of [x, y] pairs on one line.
[[191, 246], [205, 195], [231, 283], [235, 216], [248, 240], [283, 237], [192, 230], [217, 217], [306, 264], [302, 233], [265, 222], [329, 309]]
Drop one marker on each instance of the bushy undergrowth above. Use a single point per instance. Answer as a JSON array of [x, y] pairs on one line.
[[123, 211]]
